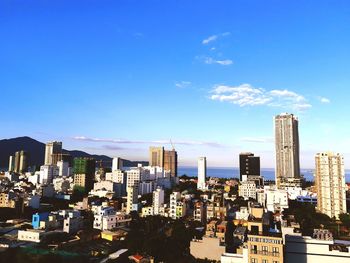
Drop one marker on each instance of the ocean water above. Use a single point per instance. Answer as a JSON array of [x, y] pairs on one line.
[[228, 172]]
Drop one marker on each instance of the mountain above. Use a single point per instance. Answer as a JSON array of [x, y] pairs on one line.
[[36, 152]]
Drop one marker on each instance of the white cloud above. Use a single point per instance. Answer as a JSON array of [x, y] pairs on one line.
[[209, 39], [257, 139], [120, 141], [225, 62], [247, 95], [324, 100], [214, 37], [182, 84]]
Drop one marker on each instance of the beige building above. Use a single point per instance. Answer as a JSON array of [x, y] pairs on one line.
[[156, 156], [287, 149], [265, 249], [170, 162], [330, 184], [50, 149]]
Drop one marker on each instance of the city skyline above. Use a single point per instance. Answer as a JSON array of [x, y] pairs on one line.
[[210, 83]]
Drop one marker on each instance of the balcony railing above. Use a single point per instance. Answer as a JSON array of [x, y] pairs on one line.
[[263, 252]]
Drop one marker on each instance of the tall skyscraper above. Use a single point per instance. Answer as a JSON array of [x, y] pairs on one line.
[[23, 161], [17, 162], [249, 164], [202, 173], [52, 148], [330, 184], [156, 156], [11, 163], [287, 150], [117, 164], [170, 162]]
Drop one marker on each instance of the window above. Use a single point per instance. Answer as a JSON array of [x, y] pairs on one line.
[[264, 261], [253, 260], [264, 250]]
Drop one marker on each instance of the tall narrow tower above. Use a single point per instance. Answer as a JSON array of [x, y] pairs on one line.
[[202, 173], [287, 150]]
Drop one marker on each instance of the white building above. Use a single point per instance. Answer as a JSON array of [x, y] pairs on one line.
[[276, 199], [101, 212], [63, 168], [132, 199], [133, 177], [174, 198], [158, 200], [116, 176], [247, 189], [62, 184], [117, 164], [305, 249], [31, 235], [239, 257], [146, 187], [202, 173], [330, 184], [48, 173]]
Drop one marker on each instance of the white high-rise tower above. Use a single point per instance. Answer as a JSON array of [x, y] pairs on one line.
[[330, 184], [202, 173]]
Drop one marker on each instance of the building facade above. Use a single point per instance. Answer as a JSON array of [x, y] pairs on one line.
[[287, 149], [202, 173], [330, 184]]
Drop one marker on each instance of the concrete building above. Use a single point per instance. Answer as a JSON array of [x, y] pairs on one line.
[[200, 212], [202, 173], [117, 176], [63, 168], [170, 162], [319, 248], [287, 150], [48, 173], [207, 248], [247, 189], [174, 198], [11, 163], [330, 184], [158, 200], [84, 172], [275, 199], [249, 165], [156, 156], [265, 248], [132, 198], [21, 162], [50, 149], [117, 164], [31, 235], [133, 176]]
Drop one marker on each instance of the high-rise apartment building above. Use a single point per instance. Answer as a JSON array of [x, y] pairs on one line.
[[158, 200], [202, 173], [330, 184], [17, 160], [84, 172], [132, 198], [249, 165], [287, 150], [11, 163], [170, 162], [156, 156], [117, 164], [50, 149]]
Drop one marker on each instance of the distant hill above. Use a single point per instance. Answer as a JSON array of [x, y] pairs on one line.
[[36, 151]]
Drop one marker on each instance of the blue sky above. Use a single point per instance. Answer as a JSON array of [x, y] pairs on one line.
[[115, 77]]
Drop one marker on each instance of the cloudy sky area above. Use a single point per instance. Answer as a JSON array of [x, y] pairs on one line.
[[114, 77]]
